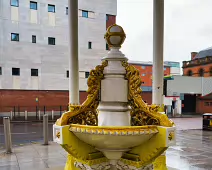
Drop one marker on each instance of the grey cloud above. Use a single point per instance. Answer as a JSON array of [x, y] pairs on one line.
[[188, 27]]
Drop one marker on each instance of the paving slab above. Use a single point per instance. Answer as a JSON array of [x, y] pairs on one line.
[[192, 151]]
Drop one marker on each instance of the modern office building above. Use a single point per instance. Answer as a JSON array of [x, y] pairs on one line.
[[145, 69], [34, 56], [174, 67], [189, 94]]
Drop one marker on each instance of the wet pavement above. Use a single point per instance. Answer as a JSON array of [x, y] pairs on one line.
[[192, 151], [34, 157], [23, 133]]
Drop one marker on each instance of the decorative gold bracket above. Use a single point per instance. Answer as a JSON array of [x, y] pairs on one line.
[[141, 113], [86, 114]]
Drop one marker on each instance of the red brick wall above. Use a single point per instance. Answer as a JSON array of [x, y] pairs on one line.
[[26, 99], [111, 20], [147, 78], [147, 96], [201, 108], [196, 69]]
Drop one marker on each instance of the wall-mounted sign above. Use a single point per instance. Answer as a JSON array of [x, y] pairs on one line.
[[181, 96]]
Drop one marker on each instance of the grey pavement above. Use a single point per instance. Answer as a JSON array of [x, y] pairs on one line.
[[34, 157], [192, 151]]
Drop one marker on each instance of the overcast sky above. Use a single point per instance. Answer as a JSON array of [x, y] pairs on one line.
[[188, 27]]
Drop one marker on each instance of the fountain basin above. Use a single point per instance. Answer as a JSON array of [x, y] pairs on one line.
[[113, 141]]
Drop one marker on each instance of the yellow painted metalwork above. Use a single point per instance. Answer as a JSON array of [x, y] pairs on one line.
[[160, 163], [142, 115]]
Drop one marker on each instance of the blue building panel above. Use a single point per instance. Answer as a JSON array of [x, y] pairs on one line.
[[146, 88]]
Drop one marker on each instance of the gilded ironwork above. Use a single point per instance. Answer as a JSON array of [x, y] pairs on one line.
[[171, 136], [58, 135], [86, 114], [110, 34], [142, 114]]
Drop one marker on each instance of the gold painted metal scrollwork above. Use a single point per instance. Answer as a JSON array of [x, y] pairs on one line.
[[86, 114], [141, 113]]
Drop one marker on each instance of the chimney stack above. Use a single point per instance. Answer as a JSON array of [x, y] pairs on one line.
[[193, 55]]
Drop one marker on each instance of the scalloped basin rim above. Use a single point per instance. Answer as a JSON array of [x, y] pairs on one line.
[[113, 127]]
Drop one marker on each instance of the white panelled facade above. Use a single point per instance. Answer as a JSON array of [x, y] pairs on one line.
[[47, 52]]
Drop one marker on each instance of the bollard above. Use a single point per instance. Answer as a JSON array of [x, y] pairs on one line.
[[60, 110], [44, 110], [39, 114], [11, 115], [36, 112], [7, 134], [25, 115], [52, 114], [45, 129]]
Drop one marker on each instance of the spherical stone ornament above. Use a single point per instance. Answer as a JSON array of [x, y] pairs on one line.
[[115, 36]]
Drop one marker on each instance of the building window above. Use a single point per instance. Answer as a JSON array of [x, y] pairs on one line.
[[210, 72], [67, 73], [107, 17], [33, 39], [14, 37], [164, 68], [51, 41], [84, 13], [190, 73], [207, 103], [66, 10], [87, 74], [0, 71], [143, 74], [16, 71], [34, 72], [14, 3], [107, 47], [51, 8], [89, 45], [201, 72], [143, 67], [33, 5]]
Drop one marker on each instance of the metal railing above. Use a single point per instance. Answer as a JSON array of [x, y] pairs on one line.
[[30, 113]]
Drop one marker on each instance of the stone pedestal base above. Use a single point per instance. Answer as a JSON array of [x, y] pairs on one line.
[[109, 166], [160, 163]]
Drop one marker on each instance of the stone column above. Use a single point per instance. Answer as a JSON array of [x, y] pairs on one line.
[[158, 72], [158, 32], [73, 49]]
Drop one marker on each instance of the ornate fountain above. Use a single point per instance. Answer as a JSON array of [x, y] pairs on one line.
[[114, 128]]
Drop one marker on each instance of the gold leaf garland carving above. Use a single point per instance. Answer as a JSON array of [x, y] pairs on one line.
[[141, 113], [86, 114]]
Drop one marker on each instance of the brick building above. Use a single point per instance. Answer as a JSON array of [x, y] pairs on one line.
[[145, 69], [200, 65]]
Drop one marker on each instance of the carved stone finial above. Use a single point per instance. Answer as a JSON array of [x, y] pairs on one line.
[[115, 36]]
